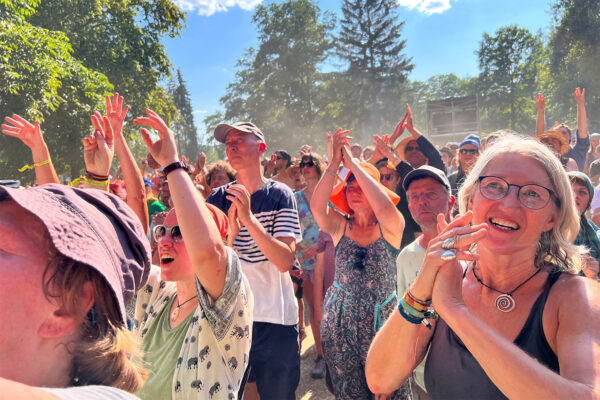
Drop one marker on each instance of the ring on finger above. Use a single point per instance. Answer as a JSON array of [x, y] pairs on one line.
[[448, 255], [448, 244]]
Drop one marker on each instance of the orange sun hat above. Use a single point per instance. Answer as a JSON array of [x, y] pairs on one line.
[[338, 194]]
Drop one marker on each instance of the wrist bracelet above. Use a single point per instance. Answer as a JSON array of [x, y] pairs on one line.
[[173, 166], [425, 303], [95, 177], [91, 182], [35, 165], [329, 171]]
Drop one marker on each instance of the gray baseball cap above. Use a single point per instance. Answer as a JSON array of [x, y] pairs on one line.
[[222, 130], [426, 171]]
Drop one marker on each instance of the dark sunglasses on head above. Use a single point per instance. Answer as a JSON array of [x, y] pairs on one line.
[[160, 231], [468, 151], [308, 163], [411, 148]]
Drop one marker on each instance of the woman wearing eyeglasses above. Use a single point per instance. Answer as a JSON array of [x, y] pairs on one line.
[[519, 322], [367, 231], [195, 313]]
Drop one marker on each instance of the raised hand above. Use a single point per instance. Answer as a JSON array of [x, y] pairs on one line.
[[540, 102], [579, 96], [339, 140], [409, 119], [98, 149], [201, 162], [29, 133], [382, 146], [271, 164], [399, 129], [164, 150], [116, 113]]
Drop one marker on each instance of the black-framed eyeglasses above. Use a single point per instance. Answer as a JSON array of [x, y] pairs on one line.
[[160, 231], [411, 148], [308, 163], [468, 151], [531, 196]]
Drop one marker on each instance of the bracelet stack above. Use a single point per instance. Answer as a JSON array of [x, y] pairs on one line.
[[416, 311], [96, 180]]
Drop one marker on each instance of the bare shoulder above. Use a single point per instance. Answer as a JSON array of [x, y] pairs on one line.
[[573, 302]]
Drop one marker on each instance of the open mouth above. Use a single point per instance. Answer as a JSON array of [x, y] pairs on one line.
[[504, 224], [166, 259]]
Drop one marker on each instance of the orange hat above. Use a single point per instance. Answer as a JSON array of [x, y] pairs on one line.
[[552, 134], [338, 194]]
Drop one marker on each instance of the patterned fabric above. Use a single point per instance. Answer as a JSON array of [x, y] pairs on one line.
[[364, 278], [216, 349], [310, 232]]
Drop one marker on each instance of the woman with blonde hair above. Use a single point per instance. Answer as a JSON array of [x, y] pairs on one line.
[[519, 322]]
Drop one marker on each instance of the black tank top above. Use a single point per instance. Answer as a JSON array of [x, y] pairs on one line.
[[451, 372]]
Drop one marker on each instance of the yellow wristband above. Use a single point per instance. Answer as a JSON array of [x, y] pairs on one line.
[[32, 166], [92, 182]]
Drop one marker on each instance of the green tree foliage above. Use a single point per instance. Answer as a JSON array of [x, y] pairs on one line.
[[58, 58], [574, 54], [371, 45], [507, 81], [278, 84], [183, 127]]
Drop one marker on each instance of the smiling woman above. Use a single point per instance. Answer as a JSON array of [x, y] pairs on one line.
[[512, 325]]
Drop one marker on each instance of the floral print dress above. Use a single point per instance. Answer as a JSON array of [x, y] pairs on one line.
[[361, 298]]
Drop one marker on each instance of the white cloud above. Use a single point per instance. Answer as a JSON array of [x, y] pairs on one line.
[[209, 7], [199, 112], [426, 6]]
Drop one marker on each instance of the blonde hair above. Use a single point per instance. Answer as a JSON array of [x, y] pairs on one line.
[[106, 351], [556, 251]]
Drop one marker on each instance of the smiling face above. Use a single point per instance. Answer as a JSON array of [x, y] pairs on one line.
[[512, 227], [175, 263], [23, 305]]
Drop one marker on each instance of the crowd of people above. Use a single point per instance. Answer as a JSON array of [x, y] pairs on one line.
[[468, 270]]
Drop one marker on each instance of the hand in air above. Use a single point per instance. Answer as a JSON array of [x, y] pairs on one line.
[[29, 133], [164, 150], [98, 149]]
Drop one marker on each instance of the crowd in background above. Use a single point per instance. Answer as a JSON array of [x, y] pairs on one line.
[[419, 264]]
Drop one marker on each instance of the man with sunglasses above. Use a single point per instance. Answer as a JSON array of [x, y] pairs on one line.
[[468, 153], [264, 216]]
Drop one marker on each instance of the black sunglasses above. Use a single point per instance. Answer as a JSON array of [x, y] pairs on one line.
[[309, 163], [411, 148], [468, 151]]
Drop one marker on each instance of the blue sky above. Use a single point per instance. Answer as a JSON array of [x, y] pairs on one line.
[[442, 37]]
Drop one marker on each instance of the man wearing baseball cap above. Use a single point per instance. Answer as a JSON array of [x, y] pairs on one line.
[[265, 227], [428, 193]]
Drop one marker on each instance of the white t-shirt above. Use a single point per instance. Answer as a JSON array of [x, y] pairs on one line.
[[274, 206]]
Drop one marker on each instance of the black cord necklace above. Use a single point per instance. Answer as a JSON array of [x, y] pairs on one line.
[[505, 302], [175, 312]]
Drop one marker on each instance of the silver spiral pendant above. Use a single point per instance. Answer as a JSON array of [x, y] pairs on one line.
[[505, 303]]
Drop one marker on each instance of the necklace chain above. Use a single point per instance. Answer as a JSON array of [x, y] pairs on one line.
[[175, 312], [496, 290], [190, 299]]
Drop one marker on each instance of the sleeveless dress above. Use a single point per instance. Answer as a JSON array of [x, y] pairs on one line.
[[356, 305], [451, 372]]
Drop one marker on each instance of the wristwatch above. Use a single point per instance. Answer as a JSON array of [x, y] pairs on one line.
[[173, 166]]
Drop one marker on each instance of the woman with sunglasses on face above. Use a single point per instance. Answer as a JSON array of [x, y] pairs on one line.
[[195, 313], [519, 322], [367, 232], [311, 253]]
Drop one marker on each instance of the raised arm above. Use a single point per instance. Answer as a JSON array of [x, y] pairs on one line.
[[31, 135], [202, 239], [327, 218], [540, 122], [582, 130], [386, 212], [136, 196], [98, 152], [400, 345]]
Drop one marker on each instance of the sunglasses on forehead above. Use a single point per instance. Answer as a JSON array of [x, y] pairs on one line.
[[468, 151]]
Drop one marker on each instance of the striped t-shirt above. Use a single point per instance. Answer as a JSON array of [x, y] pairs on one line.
[[274, 206]]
